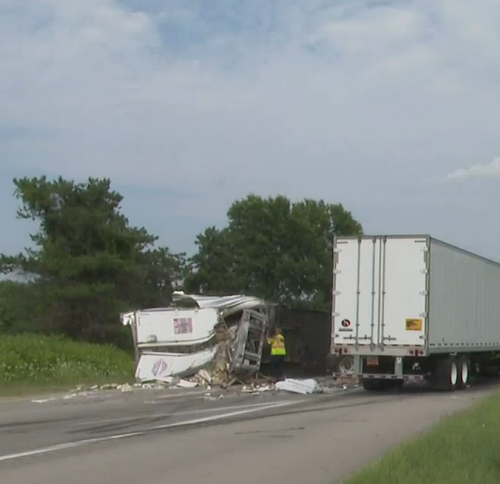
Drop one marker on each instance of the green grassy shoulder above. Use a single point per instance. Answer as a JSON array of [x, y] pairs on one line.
[[33, 363], [463, 448]]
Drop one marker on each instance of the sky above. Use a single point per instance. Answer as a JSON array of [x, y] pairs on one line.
[[390, 107]]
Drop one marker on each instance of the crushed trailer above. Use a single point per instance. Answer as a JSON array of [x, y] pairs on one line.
[[225, 335]]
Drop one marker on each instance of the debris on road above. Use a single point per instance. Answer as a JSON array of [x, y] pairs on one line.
[[187, 384], [210, 378], [256, 389], [208, 397], [303, 387], [109, 386], [126, 388]]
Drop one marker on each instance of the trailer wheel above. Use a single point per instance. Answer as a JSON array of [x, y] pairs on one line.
[[346, 365], [381, 385], [372, 385], [446, 374], [463, 372]]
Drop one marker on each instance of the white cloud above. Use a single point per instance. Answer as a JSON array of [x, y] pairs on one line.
[[352, 101], [488, 170]]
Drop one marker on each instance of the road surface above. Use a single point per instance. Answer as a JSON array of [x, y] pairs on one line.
[[183, 437]]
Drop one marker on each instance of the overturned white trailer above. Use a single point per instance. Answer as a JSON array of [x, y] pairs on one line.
[[195, 332]]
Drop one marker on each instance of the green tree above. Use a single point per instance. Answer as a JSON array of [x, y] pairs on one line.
[[272, 248], [12, 305], [87, 262]]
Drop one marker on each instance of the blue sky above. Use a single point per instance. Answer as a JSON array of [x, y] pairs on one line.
[[390, 107]]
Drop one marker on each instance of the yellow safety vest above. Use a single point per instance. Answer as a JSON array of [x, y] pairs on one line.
[[277, 345]]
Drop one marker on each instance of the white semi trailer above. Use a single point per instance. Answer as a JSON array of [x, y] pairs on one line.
[[409, 308]]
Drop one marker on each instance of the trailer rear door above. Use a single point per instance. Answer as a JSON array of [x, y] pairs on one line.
[[380, 291]]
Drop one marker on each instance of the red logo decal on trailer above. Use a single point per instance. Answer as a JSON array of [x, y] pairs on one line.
[[183, 325]]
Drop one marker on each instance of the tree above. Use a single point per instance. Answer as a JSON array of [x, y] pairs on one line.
[[15, 305], [87, 263], [274, 249]]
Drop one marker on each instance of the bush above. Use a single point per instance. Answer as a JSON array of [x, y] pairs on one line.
[[54, 360]]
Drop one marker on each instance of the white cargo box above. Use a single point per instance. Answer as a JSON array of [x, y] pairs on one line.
[[176, 327], [394, 292]]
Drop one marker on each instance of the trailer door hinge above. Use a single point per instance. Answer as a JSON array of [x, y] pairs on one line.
[[423, 293], [336, 293]]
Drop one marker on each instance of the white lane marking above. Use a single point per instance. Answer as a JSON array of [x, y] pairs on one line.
[[183, 394], [44, 400], [225, 415], [159, 415], [70, 445], [102, 394], [185, 423]]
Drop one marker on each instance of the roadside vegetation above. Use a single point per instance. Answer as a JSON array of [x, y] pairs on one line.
[[462, 448], [31, 363]]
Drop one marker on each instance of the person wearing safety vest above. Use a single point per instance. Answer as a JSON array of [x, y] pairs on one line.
[[278, 352]]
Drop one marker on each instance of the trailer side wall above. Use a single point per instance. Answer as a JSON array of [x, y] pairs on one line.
[[464, 301]]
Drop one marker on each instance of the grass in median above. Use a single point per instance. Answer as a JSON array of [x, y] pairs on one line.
[[32, 363], [461, 449]]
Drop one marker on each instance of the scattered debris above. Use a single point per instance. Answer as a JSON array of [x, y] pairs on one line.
[[125, 388], [256, 389], [187, 384], [109, 386], [204, 377], [303, 387]]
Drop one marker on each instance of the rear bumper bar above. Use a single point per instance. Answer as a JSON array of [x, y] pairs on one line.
[[380, 376], [419, 351]]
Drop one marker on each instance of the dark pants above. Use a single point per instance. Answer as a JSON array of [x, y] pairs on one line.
[[277, 366]]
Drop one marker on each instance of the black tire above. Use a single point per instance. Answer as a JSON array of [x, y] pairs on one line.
[[372, 385], [445, 375], [381, 385], [464, 370]]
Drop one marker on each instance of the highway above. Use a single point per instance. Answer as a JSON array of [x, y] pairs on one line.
[[183, 437]]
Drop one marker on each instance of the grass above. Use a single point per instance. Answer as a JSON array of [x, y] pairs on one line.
[[32, 363], [461, 449]]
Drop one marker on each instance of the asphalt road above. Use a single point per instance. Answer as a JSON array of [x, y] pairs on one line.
[[179, 436]]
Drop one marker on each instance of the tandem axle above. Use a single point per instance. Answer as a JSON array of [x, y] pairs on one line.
[[384, 372]]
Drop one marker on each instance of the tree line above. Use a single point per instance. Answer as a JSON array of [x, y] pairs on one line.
[[86, 263]]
